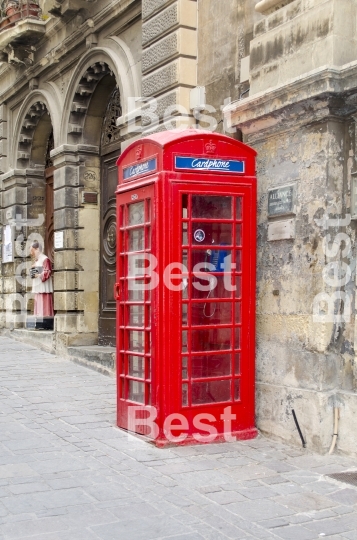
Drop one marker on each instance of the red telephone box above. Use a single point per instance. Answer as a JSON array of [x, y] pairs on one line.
[[185, 290]]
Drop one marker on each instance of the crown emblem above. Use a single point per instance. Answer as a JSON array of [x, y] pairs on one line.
[[210, 147], [139, 152]]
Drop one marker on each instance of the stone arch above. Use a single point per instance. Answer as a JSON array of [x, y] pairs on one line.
[[113, 59], [34, 133], [88, 102], [35, 121]]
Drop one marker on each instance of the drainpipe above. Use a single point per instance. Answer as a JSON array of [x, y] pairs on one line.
[[336, 411]]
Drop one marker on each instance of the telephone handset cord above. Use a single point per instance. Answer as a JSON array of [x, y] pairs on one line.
[[208, 253], [205, 305]]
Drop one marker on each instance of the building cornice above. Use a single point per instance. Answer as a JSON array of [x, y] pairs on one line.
[[268, 6], [317, 85]]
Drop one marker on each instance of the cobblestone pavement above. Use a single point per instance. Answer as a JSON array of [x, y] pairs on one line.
[[67, 474]]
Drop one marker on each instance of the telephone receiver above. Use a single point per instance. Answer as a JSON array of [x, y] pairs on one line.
[[217, 259]]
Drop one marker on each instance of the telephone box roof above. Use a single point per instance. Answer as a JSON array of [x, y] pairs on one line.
[[167, 137]]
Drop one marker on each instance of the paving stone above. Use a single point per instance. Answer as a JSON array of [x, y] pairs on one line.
[[273, 523], [30, 487], [334, 526], [225, 497], [303, 502], [351, 535], [288, 488], [260, 492], [189, 536], [146, 528], [279, 466], [255, 512], [12, 470], [295, 532], [345, 496]]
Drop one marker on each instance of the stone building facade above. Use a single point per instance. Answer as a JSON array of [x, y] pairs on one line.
[[77, 80], [80, 80]]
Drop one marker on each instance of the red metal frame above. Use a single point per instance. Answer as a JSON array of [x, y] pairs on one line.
[[167, 188]]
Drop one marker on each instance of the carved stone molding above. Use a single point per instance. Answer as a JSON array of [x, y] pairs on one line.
[[83, 96], [29, 125], [110, 131], [265, 7]]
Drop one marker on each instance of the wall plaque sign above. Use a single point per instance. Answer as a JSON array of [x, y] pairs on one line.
[[7, 246], [281, 200], [281, 230], [59, 240]]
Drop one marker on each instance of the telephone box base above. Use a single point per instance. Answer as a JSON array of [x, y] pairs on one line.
[[235, 436]]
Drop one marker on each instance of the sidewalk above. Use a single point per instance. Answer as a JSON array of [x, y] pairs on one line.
[[67, 474]]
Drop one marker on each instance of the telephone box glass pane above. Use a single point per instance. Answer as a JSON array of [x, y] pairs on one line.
[[211, 392], [237, 390], [239, 208], [136, 239], [184, 341], [137, 391], [211, 207], [214, 339], [185, 233], [211, 313], [148, 238], [208, 365], [137, 213], [238, 285], [237, 364], [138, 264], [211, 233], [238, 261], [136, 341], [184, 367], [184, 314], [238, 314], [237, 338], [136, 316], [238, 235], [136, 290], [184, 395], [137, 367], [211, 289], [211, 260]]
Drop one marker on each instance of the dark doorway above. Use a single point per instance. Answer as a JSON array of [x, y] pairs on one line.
[[49, 209], [110, 150]]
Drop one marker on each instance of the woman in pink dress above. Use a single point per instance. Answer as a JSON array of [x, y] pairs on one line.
[[42, 286]]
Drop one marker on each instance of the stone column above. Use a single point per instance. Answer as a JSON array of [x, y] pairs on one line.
[[3, 137], [3, 152], [169, 63], [76, 222], [16, 192]]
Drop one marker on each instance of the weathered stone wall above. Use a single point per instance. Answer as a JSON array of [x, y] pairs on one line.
[[225, 31], [300, 37], [300, 117], [306, 364]]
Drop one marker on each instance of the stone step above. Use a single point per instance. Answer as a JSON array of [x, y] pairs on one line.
[[94, 356], [42, 339]]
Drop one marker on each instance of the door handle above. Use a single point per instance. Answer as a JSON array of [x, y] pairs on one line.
[[117, 291]]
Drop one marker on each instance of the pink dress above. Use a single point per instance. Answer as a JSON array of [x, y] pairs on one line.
[[43, 288]]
